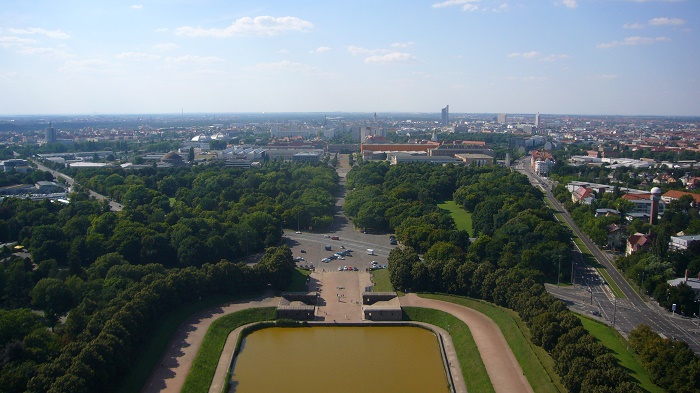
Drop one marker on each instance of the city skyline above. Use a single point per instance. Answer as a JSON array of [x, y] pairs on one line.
[[588, 57]]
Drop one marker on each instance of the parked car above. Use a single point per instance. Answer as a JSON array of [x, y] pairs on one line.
[[335, 238]]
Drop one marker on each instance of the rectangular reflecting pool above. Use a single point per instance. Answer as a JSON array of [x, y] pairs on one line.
[[339, 359]]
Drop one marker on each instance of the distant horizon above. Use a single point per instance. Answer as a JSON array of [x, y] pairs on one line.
[[578, 57], [369, 113]]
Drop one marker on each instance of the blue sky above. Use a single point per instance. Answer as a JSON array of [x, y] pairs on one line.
[[624, 57]]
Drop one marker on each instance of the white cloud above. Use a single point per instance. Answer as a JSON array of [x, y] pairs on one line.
[[603, 77], [467, 5], [358, 50], [632, 26], [193, 59], [666, 22], [282, 65], [554, 57], [402, 44], [137, 6], [283, 51], [247, 26], [321, 49], [166, 46], [569, 3], [9, 41], [44, 52], [57, 34], [88, 65], [503, 7], [136, 56], [450, 3], [526, 55], [393, 57], [632, 41]]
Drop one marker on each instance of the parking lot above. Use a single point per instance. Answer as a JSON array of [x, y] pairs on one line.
[[320, 251]]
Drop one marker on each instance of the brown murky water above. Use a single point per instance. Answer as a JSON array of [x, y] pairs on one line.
[[340, 359]]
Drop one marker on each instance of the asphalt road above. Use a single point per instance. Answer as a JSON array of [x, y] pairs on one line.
[[314, 242], [591, 293], [114, 206]]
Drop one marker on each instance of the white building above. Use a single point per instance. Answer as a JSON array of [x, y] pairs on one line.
[[682, 242]]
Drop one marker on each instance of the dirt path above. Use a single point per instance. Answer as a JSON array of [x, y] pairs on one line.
[[175, 363], [503, 369]]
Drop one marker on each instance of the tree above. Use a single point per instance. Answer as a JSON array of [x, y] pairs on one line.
[[52, 296], [401, 263], [276, 267], [190, 154]]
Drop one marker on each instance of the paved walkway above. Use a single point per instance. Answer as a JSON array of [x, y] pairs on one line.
[[177, 360], [503, 369]]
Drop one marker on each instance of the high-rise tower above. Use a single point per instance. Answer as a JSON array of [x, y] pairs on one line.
[[537, 120], [655, 198], [50, 134], [445, 119]]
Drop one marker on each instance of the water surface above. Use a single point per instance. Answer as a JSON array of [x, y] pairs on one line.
[[339, 360]]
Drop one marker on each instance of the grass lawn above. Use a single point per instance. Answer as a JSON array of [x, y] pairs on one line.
[[473, 369], [536, 363], [380, 277], [618, 347], [148, 358], [298, 283], [202, 372], [462, 218]]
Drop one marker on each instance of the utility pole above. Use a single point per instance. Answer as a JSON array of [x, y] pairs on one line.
[[559, 272], [573, 278]]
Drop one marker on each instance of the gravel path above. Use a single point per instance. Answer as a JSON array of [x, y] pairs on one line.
[[175, 363], [503, 369]]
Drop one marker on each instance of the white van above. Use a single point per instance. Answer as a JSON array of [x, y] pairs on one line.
[[370, 251]]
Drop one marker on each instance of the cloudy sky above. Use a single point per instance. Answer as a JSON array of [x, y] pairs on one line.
[[627, 57]]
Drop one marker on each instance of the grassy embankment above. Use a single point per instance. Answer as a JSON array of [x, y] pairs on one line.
[[587, 255], [380, 277], [536, 363], [299, 283], [472, 367], [462, 218], [200, 377], [148, 358], [619, 348]]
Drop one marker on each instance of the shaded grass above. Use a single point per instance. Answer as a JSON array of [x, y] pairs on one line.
[[298, 283], [147, 359], [380, 277], [472, 367], [619, 348], [462, 218], [536, 363], [204, 366]]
